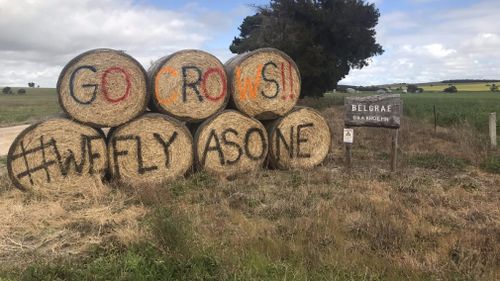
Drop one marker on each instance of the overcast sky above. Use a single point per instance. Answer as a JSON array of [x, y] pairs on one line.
[[424, 40]]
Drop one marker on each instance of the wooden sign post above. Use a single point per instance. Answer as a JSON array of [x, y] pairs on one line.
[[382, 111], [348, 140]]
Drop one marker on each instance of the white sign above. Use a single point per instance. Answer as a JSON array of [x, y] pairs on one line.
[[348, 135]]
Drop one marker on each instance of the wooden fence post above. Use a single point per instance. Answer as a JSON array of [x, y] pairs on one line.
[[493, 130], [348, 141], [348, 155], [394, 154]]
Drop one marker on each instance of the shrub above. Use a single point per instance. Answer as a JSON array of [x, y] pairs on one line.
[[494, 88], [171, 232], [412, 88], [451, 89], [21, 91], [7, 90]]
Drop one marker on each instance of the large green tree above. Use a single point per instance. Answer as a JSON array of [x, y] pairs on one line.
[[326, 38]]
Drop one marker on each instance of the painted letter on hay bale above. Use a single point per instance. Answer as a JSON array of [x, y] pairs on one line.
[[230, 143], [57, 154], [153, 148], [103, 88], [190, 85], [300, 140], [264, 83]]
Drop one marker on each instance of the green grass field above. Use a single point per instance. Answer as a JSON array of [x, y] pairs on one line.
[[452, 109], [36, 104]]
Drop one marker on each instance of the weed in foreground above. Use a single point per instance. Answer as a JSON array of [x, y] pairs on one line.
[[170, 253], [491, 164], [171, 233], [141, 262]]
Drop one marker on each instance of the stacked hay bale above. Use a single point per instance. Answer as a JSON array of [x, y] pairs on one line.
[[153, 148], [103, 88], [230, 143], [190, 85], [107, 88], [98, 88], [299, 140], [57, 153], [264, 83]]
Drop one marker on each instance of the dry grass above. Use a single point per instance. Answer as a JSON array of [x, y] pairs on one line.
[[420, 223], [50, 225]]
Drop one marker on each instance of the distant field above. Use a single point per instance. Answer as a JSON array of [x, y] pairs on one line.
[[462, 87], [452, 109], [36, 104], [439, 87]]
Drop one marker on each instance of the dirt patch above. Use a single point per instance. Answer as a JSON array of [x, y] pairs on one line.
[[7, 136]]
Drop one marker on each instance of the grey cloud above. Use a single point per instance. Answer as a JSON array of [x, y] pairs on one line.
[[38, 37]]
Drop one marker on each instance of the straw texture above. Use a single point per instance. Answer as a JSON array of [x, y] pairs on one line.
[[230, 143], [57, 154], [264, 83], [190, 85], [103, 88], [299, 140], [150, 149]]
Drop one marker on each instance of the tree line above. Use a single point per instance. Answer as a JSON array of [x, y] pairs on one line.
[[10, 91]]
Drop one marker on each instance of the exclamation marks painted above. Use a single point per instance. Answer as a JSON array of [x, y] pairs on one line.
[[291, 80], [283, 81]]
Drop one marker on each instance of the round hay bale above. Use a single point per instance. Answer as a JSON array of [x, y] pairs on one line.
[[299, 140], [190, 85], [57, 154], [150, 149], [230, 143], [264, 83], [103, 88]]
